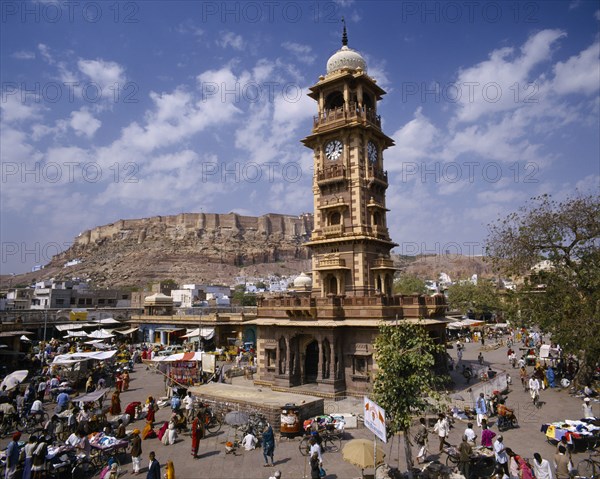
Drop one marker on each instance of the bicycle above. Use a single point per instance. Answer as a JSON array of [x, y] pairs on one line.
[[8, 424], [535, 398], [32, 422], [212, 423], [590, 467], [331, 442]]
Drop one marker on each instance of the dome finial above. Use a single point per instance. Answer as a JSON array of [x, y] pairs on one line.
[[344, 35]]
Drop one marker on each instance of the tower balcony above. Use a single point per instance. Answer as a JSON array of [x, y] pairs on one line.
[[331, 174], [338, 116], [378, 174], [383, 263], [333, 230], [380, 232], [331, 263]]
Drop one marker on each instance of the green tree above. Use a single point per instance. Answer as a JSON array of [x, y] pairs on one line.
[[406, 360], [242, 298], [481, 298], [563, 296], [409, 284]]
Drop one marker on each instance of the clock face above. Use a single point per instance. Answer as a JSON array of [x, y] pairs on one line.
[[372, 152], [333, 150]]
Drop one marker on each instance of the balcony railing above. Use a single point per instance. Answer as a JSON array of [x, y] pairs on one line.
[[333, 230], [378, 174], [353, 113], [383, 263], [331, 173], [331, 263]]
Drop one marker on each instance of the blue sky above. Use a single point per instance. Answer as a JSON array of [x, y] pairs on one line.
[[134, 109]]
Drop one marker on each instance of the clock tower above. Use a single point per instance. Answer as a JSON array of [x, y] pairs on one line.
[[318, 336], [350, 242]]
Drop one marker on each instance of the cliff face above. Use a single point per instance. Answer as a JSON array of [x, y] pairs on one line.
[[189, 247]]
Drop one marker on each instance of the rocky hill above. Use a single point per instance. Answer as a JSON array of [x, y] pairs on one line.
[[189, 247], [208, 248]]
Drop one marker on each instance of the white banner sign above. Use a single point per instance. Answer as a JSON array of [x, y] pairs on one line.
[[375, 419]]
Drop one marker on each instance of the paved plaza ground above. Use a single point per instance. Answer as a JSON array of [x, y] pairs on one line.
[[214, 463]]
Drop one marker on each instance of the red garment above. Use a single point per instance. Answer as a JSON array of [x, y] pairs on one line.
[[130, 409], [197, 434], [162, 430], [150, 415]]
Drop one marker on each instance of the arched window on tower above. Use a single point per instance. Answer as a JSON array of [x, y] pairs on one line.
[[376, 218], [367, 101], [334, 100], [332, 285], [335, 218]]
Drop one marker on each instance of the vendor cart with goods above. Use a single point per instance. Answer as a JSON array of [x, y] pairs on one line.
[[482, 464]]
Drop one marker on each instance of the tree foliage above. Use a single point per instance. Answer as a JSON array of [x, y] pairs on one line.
[[408, 284], [406, 377], [563, 297], [481, 298]]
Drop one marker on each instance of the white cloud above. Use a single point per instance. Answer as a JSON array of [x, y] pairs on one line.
[[105, 73], [414, 142], [489, 87], [580, 73], [23, 55], [84, 123], [303, 53], [230, 39], [15, 108], [45, 52]]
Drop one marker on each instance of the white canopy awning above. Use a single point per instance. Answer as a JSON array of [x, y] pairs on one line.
[[76, 334], [192, 356], [76, 357], [206, 333], [93, 396], [465, 323], [107, 321], [100, 334], [70, 326], [127, 331]]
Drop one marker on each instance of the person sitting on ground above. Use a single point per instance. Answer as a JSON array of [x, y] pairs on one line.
[[249, 441], [589, 391], [587, 408]]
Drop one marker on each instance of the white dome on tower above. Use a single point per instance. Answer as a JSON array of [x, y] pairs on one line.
[[346, 58], [303, 281]]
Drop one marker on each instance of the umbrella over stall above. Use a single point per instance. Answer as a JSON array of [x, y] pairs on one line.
[[360, 453], [14, 379]]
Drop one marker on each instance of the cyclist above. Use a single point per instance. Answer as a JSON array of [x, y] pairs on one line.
[[534, 388]]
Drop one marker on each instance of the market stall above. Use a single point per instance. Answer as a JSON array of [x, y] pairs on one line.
[[577, 433], [183, 368]]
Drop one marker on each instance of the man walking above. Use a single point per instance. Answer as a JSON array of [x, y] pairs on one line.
[[443, 429], [480, 409]]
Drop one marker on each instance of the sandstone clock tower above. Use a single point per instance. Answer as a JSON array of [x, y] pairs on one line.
[[350, 241], [317, 338]]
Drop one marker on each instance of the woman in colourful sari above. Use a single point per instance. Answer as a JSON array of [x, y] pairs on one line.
[[197, 433], [115, 403]]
